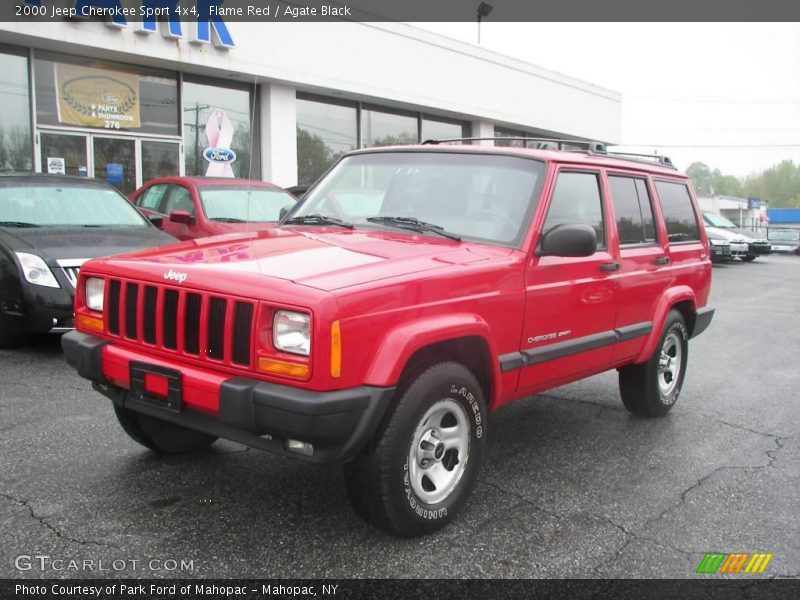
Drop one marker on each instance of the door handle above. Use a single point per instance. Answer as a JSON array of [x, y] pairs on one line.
[[661, 260], [612, 266]]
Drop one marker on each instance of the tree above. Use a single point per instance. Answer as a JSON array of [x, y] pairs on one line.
[[701, 178], [313, 156], [778, 185]]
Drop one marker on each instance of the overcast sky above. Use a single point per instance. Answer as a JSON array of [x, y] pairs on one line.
[[727, 94]]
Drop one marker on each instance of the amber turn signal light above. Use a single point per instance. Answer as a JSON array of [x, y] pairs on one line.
[[89, 322], [283, 368]]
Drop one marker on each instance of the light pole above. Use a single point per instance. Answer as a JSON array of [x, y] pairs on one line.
[[483, 11]]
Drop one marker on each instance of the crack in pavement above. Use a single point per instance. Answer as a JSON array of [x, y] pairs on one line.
[[59, 534]]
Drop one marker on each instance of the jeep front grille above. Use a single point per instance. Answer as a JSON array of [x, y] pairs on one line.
[[200, 325]]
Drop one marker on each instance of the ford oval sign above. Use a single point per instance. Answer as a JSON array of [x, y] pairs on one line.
[[219, 155]]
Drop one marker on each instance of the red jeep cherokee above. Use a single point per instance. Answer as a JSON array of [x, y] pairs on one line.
[[412, 290]]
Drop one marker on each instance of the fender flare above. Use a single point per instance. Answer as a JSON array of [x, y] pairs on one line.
[[400, 344], [670, 298]]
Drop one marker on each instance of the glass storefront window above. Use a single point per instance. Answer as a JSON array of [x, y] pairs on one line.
[[387, 129], [324, 132], [81, 92], [159, 159], [16, 151], [217, 129], [433, 129]]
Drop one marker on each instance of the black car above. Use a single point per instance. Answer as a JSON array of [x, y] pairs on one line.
[[50, 226]]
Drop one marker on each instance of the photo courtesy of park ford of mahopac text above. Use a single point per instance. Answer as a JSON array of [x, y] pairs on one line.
[[372, 299]]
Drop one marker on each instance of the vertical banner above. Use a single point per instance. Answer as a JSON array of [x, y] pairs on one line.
[[92, 97], [219, 131]]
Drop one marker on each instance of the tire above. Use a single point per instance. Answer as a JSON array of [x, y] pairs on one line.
[[749, 258], [421, 465], [161, 436], [648, 390]]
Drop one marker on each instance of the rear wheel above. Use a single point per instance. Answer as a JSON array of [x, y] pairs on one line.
[[652, 388], [161, 436], [419, 469]]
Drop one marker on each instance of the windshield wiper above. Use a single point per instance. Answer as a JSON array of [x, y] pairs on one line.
[[17, 224], [317, 219], [414, 225], [228, 220]]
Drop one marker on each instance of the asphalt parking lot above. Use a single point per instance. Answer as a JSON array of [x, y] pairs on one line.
[[573, 485]]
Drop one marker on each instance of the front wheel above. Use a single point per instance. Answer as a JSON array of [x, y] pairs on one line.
[[652, 388], [749, 258], [419, 469]]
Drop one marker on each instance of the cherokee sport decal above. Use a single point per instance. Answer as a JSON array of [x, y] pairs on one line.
[[549, 336]]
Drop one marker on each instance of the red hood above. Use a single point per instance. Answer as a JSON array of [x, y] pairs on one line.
[[324, 259]]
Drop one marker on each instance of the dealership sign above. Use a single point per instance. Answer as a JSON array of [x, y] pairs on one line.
[[208, 26]]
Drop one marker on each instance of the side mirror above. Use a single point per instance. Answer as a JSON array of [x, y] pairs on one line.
[[569, 239], [181, 216], [156, 220]]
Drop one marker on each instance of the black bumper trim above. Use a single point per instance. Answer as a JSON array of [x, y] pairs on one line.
[[257, 413], [85, 353], [702, 320]]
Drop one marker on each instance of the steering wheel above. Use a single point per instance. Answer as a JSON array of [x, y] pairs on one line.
[[496, 217]]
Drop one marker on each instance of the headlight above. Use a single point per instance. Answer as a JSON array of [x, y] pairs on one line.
[[291, 332], [94, 293], [36, 271], [714, 242]]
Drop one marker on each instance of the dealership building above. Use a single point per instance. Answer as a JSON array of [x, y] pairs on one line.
[[129, 101]]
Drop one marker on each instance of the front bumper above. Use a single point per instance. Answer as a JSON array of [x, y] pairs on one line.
[[759, 248], [784, 249], [739, 249], [38, 309], [720, 252], [255, 413]]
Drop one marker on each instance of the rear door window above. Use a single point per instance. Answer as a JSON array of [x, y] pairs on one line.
[[634, 213], [679, 215]]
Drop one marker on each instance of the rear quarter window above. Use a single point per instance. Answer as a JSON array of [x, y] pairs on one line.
[[679, 215]]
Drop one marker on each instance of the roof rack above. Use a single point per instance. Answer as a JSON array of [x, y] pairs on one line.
[[649, 158], [596, 148], [592, 147]]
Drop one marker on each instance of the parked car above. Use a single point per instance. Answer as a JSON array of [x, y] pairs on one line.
[[50, 226], [721, 246], [195, 207], [784, 240], [739, 238], [379, 334]]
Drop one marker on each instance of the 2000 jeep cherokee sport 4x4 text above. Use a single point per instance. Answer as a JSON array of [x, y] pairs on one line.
[[413, 290]]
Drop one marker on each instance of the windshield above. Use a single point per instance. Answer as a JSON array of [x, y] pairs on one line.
[[484, 197], [244, 204], [64, 204], [784, 236], [716, 220]]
